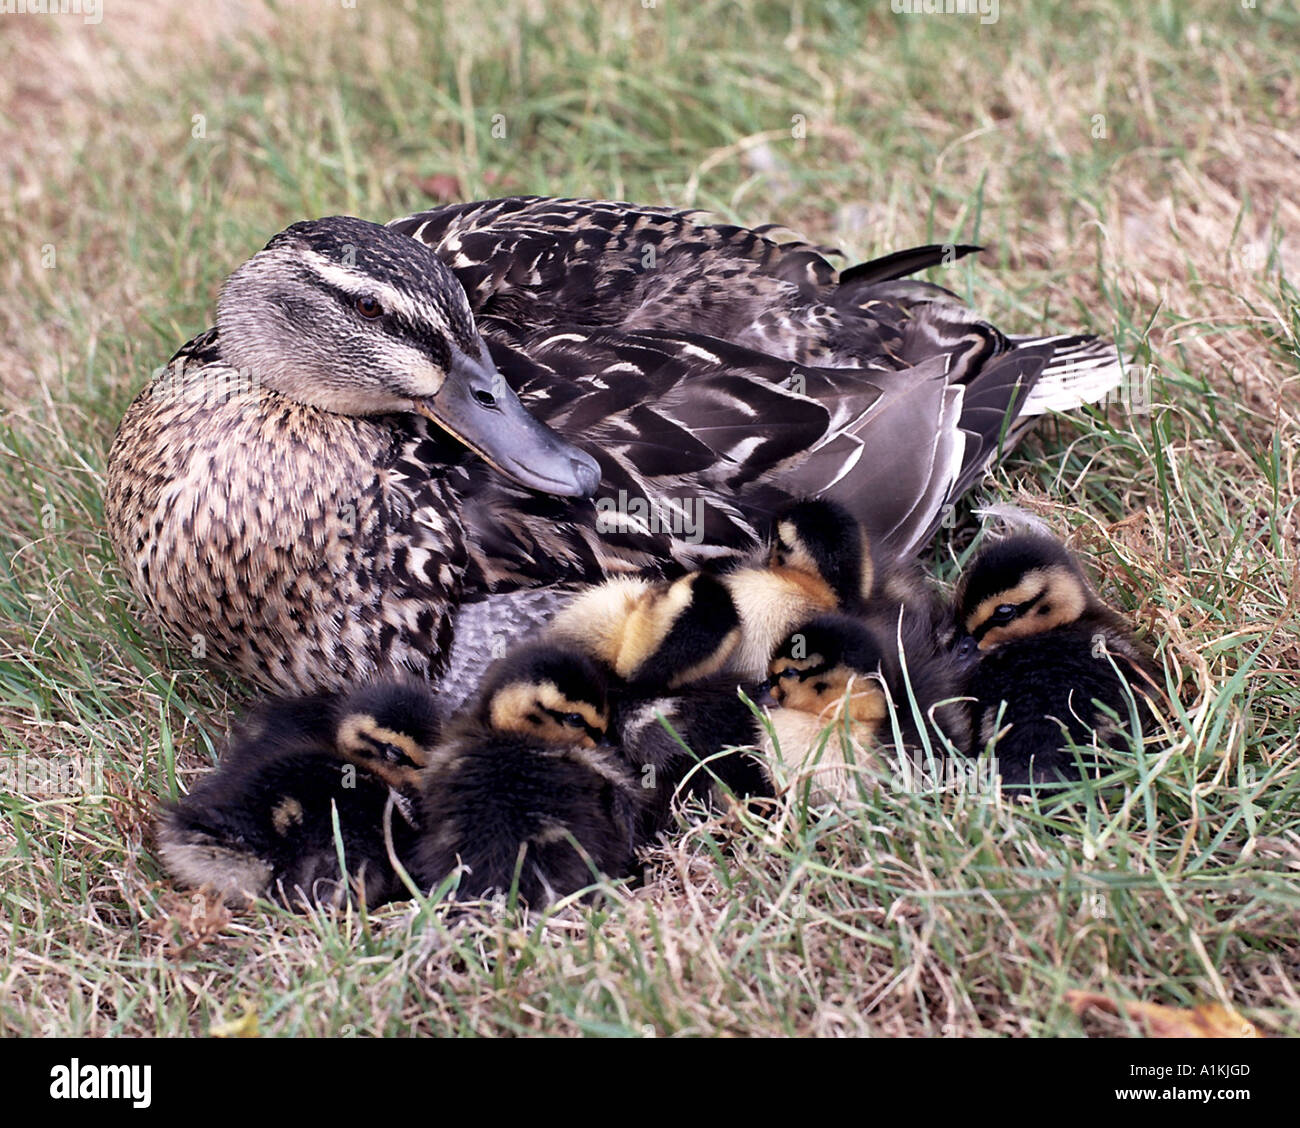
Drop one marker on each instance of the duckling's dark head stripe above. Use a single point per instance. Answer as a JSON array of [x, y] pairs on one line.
[[574, 676], [701, 628], [561, 718], [1018, 609], [839, 641], [1002, 566], [360, 737], [401, 707]]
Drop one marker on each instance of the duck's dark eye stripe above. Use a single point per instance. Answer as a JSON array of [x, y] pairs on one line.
[[803, 673], [397, 325], [382, 750], [425, 336]]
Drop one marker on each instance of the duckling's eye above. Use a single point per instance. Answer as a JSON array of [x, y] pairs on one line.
[[788, 672], [574, 720], [393, 753], [369, 308], [1004, 614]]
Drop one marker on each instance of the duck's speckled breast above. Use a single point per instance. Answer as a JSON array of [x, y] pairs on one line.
[[302, 549]]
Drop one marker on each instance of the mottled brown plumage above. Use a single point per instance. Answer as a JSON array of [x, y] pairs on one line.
[[315, 520]]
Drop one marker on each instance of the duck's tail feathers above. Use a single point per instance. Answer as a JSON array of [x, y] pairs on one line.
[[993, 414], [993, 408], [1082, 369], [900, 264], [990, 421]]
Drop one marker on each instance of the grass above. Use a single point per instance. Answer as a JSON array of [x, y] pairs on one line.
[[1130, 169]]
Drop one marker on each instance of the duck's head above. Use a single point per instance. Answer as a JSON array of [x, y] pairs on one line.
[[823, 661], [387, 723], [678, 633], [1019, 587], [356, 319], [548, 693], [822, 538]]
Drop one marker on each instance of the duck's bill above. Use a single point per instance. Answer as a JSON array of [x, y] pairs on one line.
[[477, 406]]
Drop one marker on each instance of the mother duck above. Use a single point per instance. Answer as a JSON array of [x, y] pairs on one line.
[[391, 427]]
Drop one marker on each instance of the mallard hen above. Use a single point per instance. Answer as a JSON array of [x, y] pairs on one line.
[[329, 484]]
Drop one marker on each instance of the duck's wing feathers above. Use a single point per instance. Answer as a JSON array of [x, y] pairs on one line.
[[710, 363], [551, 264], [573, 261], [701, 441], [900, 264]]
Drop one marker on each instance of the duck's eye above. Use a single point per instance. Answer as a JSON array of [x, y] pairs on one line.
[[788, 672], [369, 308], [575, 720], [1003, 614]]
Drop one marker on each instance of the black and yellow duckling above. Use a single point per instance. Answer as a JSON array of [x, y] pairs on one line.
[[314, 491], [262, 823], [818, 559], [821, 560], [674, 649], [1048, 660], [654, 633], [526, 791], [675, 711], [870, 689]]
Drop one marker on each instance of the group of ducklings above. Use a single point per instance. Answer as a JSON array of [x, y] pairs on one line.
[[568, 758]]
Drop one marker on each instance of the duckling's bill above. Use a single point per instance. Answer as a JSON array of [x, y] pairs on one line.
[[477, 406]]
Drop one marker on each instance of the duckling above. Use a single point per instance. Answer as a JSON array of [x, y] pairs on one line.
[[526, 787], [819, 537], [663, 634], [676, 713], [845, 674], [390, 424], [820, 560], [1040, 644], [262, 823], [804, 573]]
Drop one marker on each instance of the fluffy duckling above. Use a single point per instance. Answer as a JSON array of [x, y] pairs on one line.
[[675, 710], [650, 633], [680, 723], [841, 673], [1040, 646], [820, 560], [261, 824], [526, 787]]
